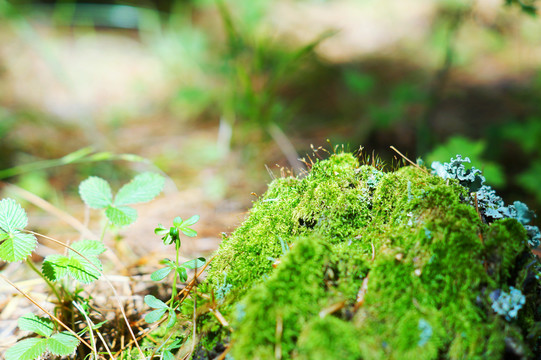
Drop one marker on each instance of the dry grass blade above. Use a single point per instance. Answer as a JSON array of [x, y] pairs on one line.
[[361, 294], [50, 208], [408, 160], [286, 147], [332, 309], [220, 318], [192, 282]]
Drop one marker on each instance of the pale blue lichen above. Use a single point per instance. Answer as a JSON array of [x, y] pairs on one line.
[[469, 178], [490, 205], [508, 304], [426, 332], [222, 288]]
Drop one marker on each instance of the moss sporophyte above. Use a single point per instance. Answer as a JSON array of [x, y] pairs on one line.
[[376, 265]]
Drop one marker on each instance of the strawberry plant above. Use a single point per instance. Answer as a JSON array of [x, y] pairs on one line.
[[81, 263]]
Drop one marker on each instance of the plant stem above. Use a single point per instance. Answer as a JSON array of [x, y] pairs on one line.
[[104, 230], [50, 284], [174, 289]]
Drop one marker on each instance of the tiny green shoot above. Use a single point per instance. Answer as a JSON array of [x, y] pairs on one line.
[[171, 236]]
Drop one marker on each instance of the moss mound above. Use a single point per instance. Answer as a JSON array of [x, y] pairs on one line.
[[353, 263]]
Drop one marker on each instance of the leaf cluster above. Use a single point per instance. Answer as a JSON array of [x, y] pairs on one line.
[[160, 274], [97, 194], [81, 263], [56, 343], [171, 236]]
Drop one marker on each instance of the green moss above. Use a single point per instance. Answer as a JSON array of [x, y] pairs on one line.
[[428, 262], [283, 303], [328, 338]]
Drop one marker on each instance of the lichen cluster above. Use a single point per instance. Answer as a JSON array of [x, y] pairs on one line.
[[350, 262]]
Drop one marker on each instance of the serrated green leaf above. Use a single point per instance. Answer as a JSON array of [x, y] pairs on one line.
[[195, 263], [96, 192], [12, 216], [55, 267], [88, 247], [188, 232], [40, 325], [191, 220], [154, 302], [121, 216], [160, 274], [144, 187], [154, 315], [62, 344], [17, 246], [27, 349], [82, 270]]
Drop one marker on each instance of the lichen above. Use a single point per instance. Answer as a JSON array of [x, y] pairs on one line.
[[379, 265]]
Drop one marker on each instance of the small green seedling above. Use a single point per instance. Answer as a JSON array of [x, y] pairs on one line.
[[54, 342], [172, 235], [97, 194], [169, 237]]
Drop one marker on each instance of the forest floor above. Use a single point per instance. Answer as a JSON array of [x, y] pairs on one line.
[[108, 89]]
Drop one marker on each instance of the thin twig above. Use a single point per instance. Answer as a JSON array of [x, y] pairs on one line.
[[220, 318]]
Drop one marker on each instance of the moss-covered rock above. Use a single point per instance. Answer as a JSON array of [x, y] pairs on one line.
[[349, 262]]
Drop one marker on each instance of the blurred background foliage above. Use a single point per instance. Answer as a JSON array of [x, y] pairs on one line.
[[212, 90]]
